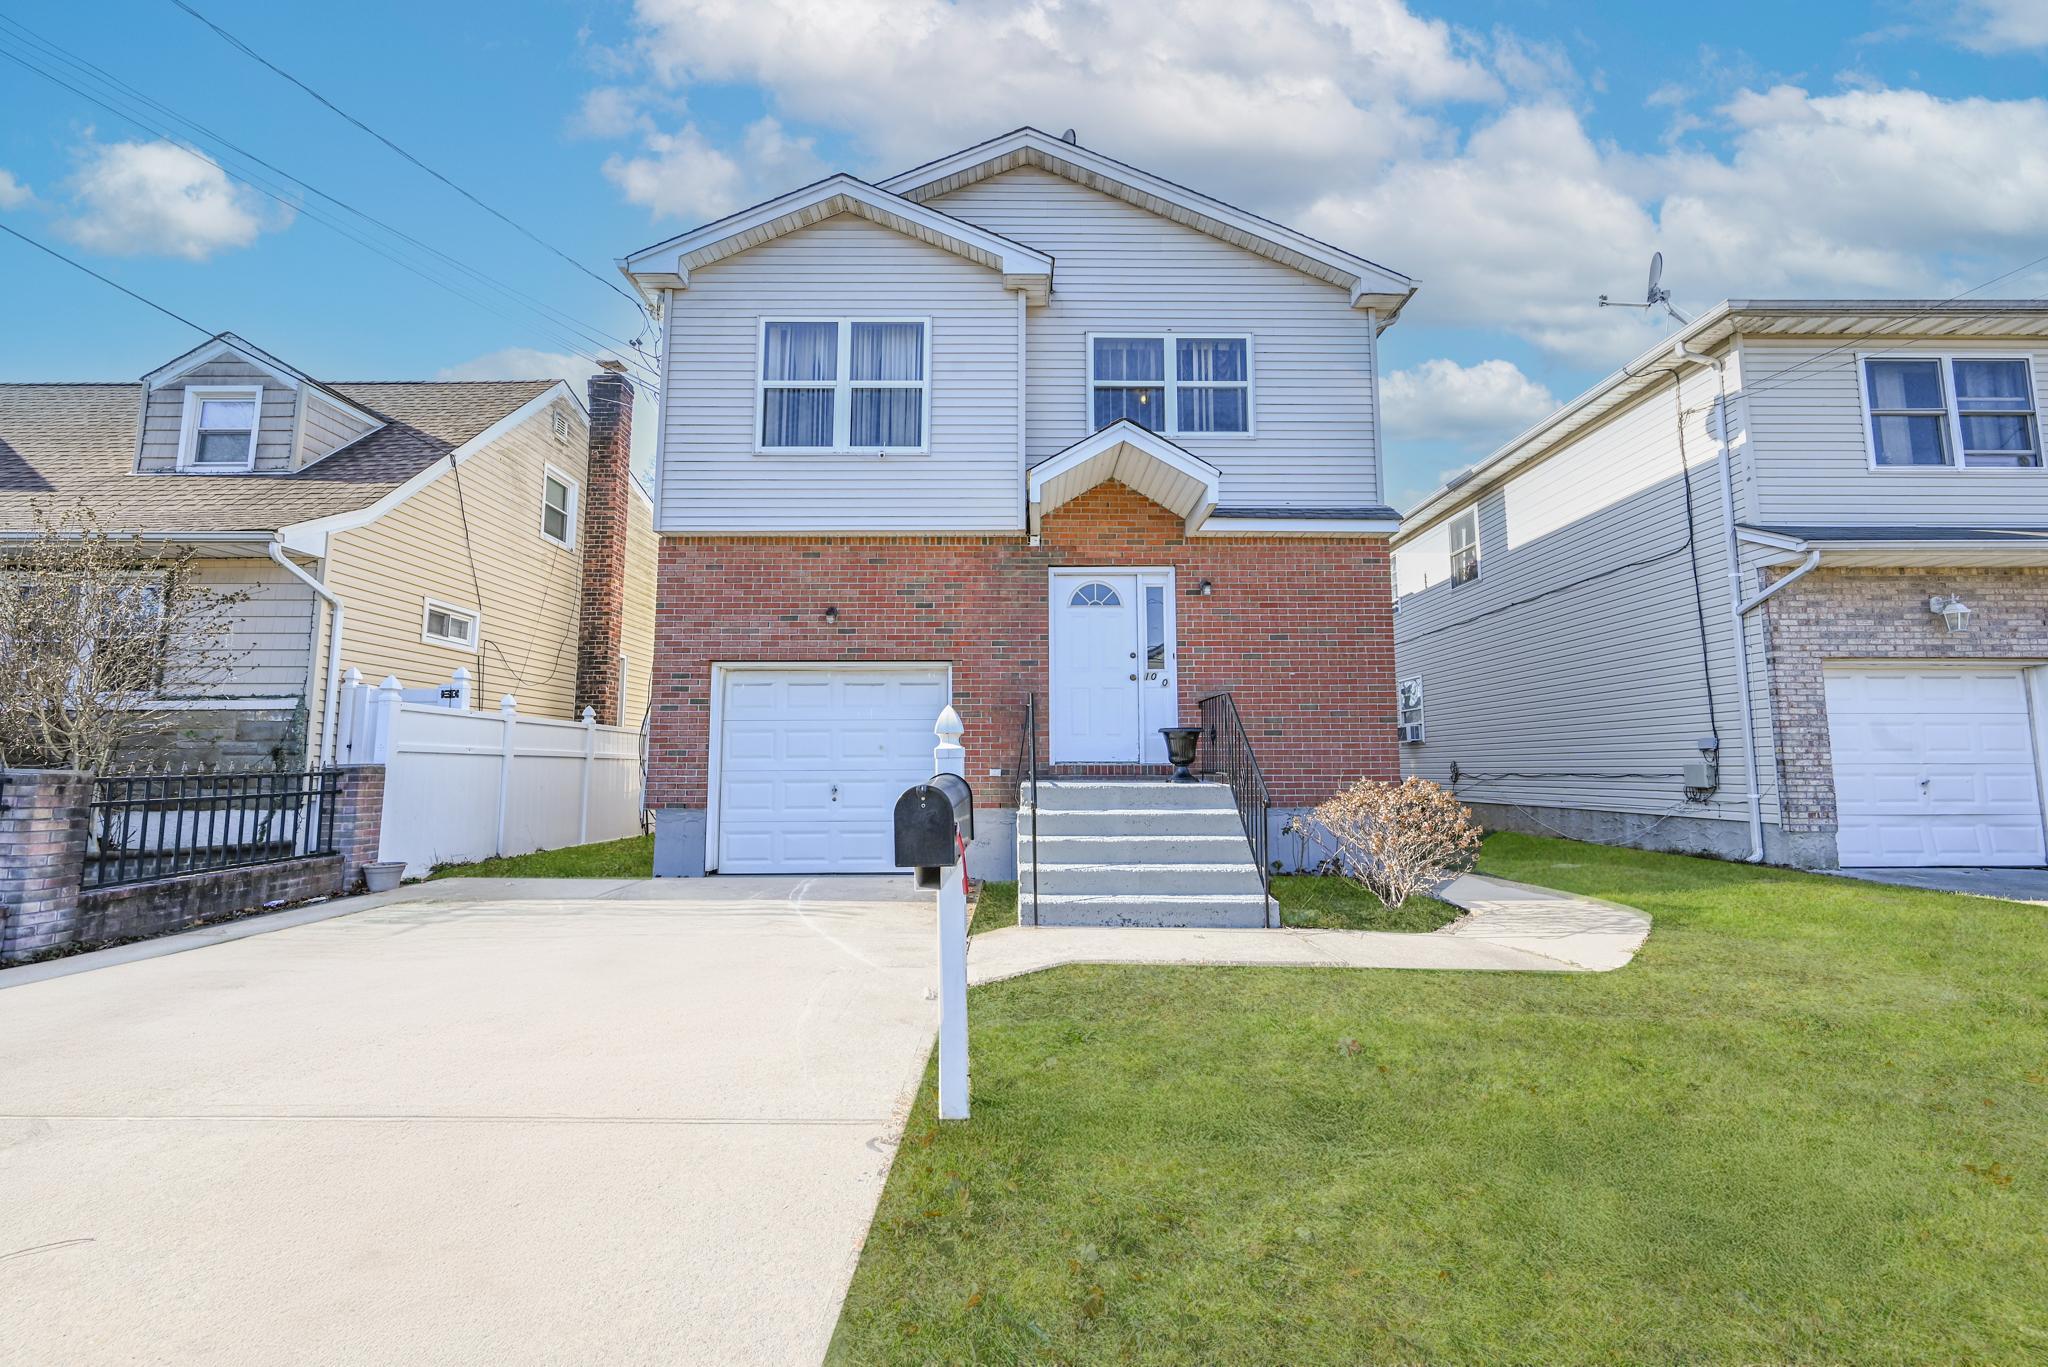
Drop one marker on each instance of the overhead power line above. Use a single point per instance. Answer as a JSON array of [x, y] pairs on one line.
[[253, 55], [114, 284], [565, 330]]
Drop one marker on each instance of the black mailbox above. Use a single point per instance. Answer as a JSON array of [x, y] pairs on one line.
[[932, 820]]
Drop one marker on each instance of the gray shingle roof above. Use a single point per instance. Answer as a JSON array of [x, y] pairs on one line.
[[60, 443]]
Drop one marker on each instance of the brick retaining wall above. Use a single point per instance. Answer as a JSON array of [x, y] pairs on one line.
[[143, 909]]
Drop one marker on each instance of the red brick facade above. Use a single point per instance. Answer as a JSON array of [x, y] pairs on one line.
[[1299, 629], [601, 539]]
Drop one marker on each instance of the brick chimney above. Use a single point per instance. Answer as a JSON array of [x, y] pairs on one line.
[[607, 504]]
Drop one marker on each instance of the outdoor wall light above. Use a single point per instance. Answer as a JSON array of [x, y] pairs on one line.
[[1204, 589], [1953, 611], [831, 617]]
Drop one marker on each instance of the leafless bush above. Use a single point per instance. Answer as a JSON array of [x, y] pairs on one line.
[[95, 627], [1397, 839]]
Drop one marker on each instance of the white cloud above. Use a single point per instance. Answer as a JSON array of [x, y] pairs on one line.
[[2001, 25], [610, 111], [1475, 406], [1255, 100], [683, 175], [158, 199], [531, 363], [1867, 192], [13, 193]]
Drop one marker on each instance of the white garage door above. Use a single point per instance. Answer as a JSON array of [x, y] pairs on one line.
[[1934, 767], [813, 761]]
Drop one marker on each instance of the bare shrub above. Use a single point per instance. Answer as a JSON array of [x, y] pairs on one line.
[[1397, 839], [96, 628]]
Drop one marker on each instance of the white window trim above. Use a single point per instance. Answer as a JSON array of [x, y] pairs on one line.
[[1401, 723], [575, 505], [1953, 428], [1172, 383], [842, 387], [188, 426], [1451, 548], [476, 626]]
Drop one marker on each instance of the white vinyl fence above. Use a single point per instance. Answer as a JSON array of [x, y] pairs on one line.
[[462, 785]]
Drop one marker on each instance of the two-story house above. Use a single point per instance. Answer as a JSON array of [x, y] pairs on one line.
[[1776, 590], [1024, 427], [472, 538]]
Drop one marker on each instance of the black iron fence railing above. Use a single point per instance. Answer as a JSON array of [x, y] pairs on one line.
[[1027, 801], [1226, 755], [150, 826]]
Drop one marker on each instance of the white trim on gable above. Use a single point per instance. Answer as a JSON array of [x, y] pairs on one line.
[[667, 265], [1175, 478], [310, 537], [1373, 286], [227, 344]]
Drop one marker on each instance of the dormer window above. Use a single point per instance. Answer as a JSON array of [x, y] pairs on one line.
[[220, 426]]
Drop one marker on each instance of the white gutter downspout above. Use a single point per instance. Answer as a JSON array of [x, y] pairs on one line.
[[330, 709], [1738, 610]]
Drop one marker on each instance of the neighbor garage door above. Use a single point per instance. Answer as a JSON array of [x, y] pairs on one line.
[[1934, 766], [812, 761]]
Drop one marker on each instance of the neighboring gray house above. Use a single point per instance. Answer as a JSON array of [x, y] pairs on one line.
[[1815, 532]]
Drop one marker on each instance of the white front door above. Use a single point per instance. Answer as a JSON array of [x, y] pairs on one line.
[[1933, 766], [1113, 666], [811, 762]]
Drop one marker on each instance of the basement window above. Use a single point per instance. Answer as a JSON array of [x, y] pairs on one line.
[[444, 624], [1411, 711]]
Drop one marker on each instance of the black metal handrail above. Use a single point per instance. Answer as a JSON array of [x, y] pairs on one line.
[[1226, 755], [1027, 787], [150, 826]]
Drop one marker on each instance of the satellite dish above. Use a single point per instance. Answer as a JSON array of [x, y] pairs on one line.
[[1654, 294]]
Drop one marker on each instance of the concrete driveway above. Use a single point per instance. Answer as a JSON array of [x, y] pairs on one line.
[[566, 1122]]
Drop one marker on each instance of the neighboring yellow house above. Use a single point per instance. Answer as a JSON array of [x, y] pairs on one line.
[[450, 525]]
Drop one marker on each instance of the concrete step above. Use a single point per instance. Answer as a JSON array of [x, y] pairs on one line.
[[1236, 911], [1204, 847], [1126, 821], [1069, 795], [1180, 880]]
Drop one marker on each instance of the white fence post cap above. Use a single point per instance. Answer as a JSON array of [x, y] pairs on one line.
[[948, 728], [508, 703], [354, 676], [390, 684], [461, 674], [589, 715]]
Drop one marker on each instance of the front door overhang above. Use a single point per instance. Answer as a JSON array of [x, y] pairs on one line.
[[1170, 475]]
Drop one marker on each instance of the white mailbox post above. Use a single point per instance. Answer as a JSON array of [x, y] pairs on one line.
[[949, 757]]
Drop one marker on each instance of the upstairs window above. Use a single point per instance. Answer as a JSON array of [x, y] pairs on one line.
[[558, 508], [1972, 412], [1465, 548], [220, 426], [844, 384], [1166, 382]]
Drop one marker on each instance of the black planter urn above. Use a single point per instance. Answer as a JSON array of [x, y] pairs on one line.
[[1180, 750]]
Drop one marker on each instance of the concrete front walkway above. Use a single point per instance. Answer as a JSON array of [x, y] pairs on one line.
[[1510, 927], [563, 1123]]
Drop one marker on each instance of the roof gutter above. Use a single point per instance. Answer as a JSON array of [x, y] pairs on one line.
[[330, 708], [1738, 606]]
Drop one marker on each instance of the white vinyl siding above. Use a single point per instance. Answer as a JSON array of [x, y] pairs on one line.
[[1124, 271], [1810, 448], [712, 477], [268, 645], [325, 429], [1569, 674]]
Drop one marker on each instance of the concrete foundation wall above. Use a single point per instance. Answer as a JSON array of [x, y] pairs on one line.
[[1680, 834]]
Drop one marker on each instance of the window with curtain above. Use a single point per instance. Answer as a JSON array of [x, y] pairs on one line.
[[1465, 548], [1180, 385], [845, 384], [1974, 411]]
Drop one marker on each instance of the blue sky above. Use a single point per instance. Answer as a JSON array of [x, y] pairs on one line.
[[1519, 159]]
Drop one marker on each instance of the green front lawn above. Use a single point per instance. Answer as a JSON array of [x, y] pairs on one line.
[[632, 857], [1808, 1124]]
